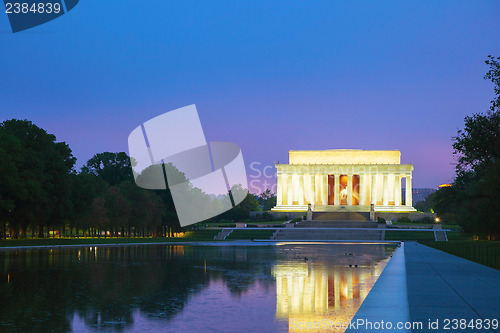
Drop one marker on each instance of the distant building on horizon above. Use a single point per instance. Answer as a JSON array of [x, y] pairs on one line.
[[420, 194]]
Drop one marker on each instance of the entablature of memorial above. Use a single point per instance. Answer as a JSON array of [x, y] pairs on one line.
[[332, 169]]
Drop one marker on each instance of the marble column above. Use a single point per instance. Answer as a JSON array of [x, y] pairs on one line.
[[385, 199], [324, 190], [374, 188], [317, 182], [336, 190], [301, 189], [390, 183], [397, 190], [312, 190], [295, 196], [361, 190], [408, 197], [279, 190], [289, 189], [349, 189]]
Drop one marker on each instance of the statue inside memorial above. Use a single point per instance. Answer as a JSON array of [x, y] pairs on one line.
[[343, 194]]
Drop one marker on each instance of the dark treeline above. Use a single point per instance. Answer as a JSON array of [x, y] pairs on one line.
[[41, 193], [473, 199]]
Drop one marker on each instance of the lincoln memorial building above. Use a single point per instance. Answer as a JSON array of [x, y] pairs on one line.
[[344, 180]]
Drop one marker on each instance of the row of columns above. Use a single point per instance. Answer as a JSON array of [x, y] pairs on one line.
[[323, 191]]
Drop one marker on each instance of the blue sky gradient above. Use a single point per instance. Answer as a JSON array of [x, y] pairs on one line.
[[268, 75]]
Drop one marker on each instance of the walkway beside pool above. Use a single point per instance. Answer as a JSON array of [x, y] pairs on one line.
[[442, 286], [424, 285]]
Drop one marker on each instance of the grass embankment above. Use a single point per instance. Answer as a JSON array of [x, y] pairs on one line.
[[483, 252], [189, 236], [430, 225], [459, 243], [250, 234], [233, 225], [462, 236], [424, 235]]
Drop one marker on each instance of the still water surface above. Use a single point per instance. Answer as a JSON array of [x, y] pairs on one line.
[[175, 288]]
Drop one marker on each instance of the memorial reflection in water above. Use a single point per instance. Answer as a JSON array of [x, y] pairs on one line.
[[309, 292], [184, 288]]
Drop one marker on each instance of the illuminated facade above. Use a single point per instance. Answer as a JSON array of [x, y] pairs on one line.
[[313, 293], [343, 180]]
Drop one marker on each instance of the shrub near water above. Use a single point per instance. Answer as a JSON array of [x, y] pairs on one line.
[[404, 219]]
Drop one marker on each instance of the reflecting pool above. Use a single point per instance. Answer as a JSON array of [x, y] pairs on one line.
[[180, 288]]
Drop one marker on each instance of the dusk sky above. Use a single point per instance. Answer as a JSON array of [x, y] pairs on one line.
[[271, 76]]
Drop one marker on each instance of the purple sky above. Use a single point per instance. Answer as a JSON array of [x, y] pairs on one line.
[[270, 76]]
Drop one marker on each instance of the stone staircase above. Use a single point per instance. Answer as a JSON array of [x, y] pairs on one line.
[[342, 216], [223, 234], [336, 229], [328, 234], [336, 224], [440, 236]]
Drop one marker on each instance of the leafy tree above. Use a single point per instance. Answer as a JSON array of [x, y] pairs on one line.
[[243, 209], [147, 210], [43, 166], [118, 209], [267, 200], [494, 76], [114, 168], [477, 146], [11, 182], [12, 187], [473, 200], [169, 216], [150, 177], [98, 214], [84, 189]]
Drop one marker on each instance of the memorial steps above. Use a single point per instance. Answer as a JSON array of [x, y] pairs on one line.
[[336, 224], [339, 226], [343, 216]]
